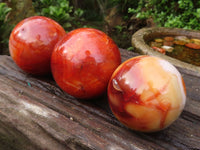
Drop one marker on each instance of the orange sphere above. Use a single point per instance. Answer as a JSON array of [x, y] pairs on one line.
[[83, 62], [32, 41]]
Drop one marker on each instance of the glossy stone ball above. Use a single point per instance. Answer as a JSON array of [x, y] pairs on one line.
[[146, 93]]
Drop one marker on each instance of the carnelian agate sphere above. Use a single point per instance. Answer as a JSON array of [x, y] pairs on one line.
[[146, 93], [32, 41], [83, 62]]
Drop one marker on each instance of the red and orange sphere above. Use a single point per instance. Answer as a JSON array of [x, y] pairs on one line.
[[32, 41]]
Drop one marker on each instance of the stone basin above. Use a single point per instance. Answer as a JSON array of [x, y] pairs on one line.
[[141, 38]]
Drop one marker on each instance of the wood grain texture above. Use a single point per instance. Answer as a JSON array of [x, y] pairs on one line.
[[36, 114]]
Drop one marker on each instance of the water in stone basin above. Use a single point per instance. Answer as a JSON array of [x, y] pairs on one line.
[[179, 47]]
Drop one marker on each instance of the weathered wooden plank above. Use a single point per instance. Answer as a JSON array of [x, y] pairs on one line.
[[36, 114]]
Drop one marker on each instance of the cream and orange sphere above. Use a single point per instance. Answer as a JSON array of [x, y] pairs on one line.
[[146, 93]]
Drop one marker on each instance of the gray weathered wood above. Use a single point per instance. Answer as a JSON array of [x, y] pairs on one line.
[[36, 114]]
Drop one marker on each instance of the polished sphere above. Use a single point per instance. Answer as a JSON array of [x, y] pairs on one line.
[[32, 41], [146, 93], [83, 62]]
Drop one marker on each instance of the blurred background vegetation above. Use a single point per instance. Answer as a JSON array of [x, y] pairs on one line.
[[118, 18]]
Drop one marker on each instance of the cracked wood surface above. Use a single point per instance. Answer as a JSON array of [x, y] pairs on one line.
[[36, 114]]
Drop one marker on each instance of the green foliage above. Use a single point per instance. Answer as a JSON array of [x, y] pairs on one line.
[[60, 11], [182, 13], [5, 28], [4, 10], [73, 14]]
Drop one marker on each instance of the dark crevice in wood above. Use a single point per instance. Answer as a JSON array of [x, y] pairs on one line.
[[190, 117]]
